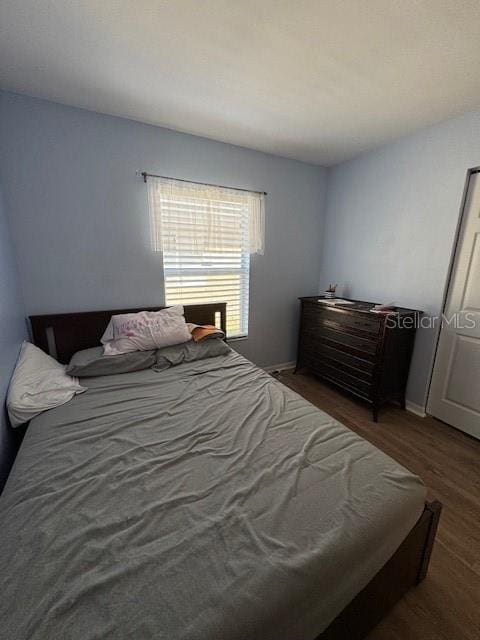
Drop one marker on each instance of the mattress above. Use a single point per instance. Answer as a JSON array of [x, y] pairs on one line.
[[204, 502]]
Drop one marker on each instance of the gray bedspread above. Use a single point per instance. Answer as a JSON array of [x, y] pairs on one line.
[[204, 502]]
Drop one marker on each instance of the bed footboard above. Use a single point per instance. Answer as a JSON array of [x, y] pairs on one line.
[[405, 569]]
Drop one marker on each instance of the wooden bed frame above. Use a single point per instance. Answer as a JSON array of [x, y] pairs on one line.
[[405, 569], [62, 335]]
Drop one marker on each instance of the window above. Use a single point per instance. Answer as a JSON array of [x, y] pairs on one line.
[[217, 272], [206, 235]]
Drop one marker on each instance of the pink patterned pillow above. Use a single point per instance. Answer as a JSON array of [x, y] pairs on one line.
[[145, 330]]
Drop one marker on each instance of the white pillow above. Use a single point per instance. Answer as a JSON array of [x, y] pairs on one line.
[[145, 330], [38, 383]]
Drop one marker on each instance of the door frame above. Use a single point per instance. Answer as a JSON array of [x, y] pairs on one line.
[[454, 252]]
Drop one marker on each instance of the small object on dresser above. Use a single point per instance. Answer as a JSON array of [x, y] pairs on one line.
[[331, 291], [384, 308], [334, 301]]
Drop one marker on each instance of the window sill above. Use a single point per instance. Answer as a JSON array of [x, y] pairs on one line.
[[237, 339]]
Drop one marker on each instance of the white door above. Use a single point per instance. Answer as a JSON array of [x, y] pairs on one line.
[[455, 391]]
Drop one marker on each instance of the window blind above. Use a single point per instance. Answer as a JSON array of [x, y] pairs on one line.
[[204, 235]]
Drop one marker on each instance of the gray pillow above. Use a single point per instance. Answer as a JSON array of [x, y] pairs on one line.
[[188, 352], [92, 362]]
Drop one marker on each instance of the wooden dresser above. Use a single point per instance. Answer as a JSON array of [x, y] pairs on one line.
[[365, 353]]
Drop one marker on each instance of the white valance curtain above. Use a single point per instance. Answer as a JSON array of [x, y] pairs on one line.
[[208, 218]]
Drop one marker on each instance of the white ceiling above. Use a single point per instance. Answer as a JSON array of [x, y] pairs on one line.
[[316, 80]]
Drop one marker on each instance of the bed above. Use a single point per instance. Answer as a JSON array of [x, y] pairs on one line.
[[202, 502]]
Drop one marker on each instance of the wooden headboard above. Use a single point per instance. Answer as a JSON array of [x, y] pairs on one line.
[[63, 334]]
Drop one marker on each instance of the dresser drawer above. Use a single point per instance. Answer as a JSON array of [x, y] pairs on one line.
[[346, 321], [340, 376], [359, 367], [356, 345], [344, 355]]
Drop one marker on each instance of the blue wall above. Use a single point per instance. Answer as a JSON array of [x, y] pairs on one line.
[[79, 215], [79, 218], [12, 332], [390, 225]]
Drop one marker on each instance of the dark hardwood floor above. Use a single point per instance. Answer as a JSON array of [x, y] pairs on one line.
[[446, 606]]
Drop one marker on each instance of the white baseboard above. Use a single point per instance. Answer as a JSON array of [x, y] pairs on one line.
[[417, 409], [280, 367]]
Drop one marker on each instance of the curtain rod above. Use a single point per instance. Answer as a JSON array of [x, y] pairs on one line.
[[146, 175]]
